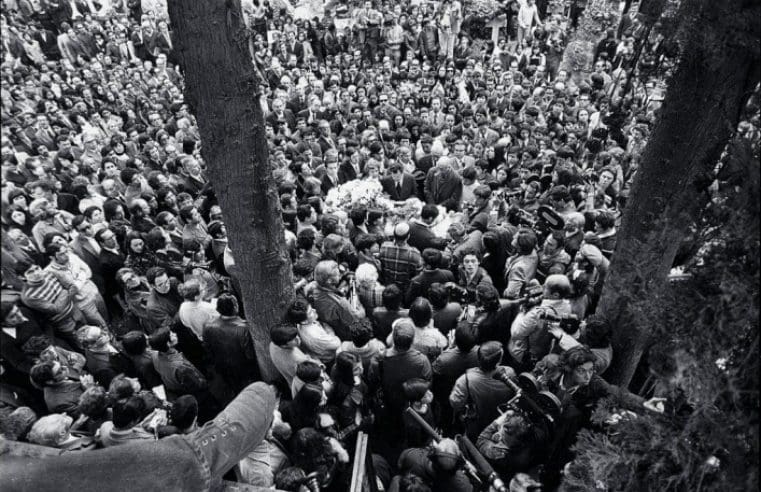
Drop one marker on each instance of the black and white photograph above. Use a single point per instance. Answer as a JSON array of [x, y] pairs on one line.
[[380, 245]]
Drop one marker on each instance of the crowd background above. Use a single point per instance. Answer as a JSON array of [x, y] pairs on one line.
[[450, 203]]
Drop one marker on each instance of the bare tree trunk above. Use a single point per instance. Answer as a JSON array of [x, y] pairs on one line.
[[222, 89], [717, 72]]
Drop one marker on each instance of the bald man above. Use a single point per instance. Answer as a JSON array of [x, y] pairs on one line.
[[530, 339]]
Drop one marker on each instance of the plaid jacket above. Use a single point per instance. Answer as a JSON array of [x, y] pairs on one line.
[[400, 262]]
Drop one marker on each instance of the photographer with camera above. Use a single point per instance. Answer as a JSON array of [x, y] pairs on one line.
[[577, 385], [530, 339], [513, 443], [521, 267], [595, 333], [476, 395], [440, 466]]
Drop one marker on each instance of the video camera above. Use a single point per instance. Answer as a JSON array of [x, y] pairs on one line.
[[569, 324], [539, 407], [545, 221], [460, 295]]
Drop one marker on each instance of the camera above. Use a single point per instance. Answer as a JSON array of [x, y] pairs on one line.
[[569, 324], [539, 407], [460, 294]]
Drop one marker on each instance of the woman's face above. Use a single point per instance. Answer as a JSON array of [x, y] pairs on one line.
[[136, 245], [606, 178], [18, 217], [20, 201], [96, 217], [501, 175], [110, 169]]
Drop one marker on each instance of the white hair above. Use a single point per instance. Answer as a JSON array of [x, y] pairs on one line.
[[366, 274]]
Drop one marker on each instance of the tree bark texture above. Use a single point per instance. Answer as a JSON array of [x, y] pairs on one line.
[[717, 72], [222, 88]]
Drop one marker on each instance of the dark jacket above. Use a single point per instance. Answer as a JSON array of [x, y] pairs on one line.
[[407, 188], [228, 343], [422, 237]]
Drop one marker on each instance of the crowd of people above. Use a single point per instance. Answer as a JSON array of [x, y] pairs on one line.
[[472, 266]]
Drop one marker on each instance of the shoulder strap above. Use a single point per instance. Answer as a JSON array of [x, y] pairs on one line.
[[467, 389]]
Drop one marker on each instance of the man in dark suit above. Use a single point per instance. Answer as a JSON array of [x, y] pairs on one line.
[[330, 179], [48, 43], [399, 185], [298, 102], [421, 235], [87, 248], [280, 113], [111, 260], [312, 114], [349, 170], [228, 343], [293, 47]]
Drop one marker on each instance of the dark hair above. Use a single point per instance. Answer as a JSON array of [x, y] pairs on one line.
[[343, 370], [303, 212], [438, 295], [358, 216], [421, 312], [227, 305], [306, 239], [128, 412], [120, 389], [93, 402], [153, 273], [392, 298], [134, 342], [432, 257], [186, 212], [305, 405], [525, 241], [413, 483], [361, 332], [283, 333], [598, 332], [53, 248], [489, 355], [311, 451], [429, 212], [576, 356], [605, 219], [465, 337], [290, 478], [414, 389], [42, 374], [160, 340], [309, 371], [184, 411], [364, 241], [297, 311], [127, 174]]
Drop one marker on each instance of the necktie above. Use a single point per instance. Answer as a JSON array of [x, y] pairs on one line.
[[399, 189]]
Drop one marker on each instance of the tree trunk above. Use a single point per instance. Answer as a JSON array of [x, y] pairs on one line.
[[222, 88], [716, 74]]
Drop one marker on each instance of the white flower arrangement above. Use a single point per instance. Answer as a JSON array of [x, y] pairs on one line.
[[357, 193]]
